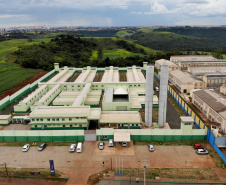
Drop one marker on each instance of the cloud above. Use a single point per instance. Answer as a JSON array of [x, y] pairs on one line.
[[6, 16]]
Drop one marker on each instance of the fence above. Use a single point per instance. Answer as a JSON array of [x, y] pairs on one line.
[[199, 122], [17, 95], [41, 136]]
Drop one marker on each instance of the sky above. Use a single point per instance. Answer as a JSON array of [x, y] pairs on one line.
[[112, 12]]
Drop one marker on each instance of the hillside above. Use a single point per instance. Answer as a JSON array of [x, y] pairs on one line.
[[80, 52], [168, 41]]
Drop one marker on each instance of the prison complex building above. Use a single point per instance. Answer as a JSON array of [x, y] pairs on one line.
[[212, 104], [184, 62], [185, 82], [80, 98]]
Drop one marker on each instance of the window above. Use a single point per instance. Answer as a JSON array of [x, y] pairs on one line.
[[70, 125], [58, 119], [33, 119], [102, 85], [36, 126], [75, 124], [96, 85], [104, 137], [137, 125], [72, 86], [48, 119], [45, 126], [63, 125], [41, 119], [70, 119], [78, 85], [80, 125], [77, 117], [53, 119], [132, 125], [63, 119], [37, 119]]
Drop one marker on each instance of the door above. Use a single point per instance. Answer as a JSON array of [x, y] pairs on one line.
[[90, 135]]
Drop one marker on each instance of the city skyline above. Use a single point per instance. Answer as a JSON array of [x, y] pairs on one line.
[[53, 13]]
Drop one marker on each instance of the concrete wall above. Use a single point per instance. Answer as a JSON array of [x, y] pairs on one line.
[[43, 136], [154, 134]]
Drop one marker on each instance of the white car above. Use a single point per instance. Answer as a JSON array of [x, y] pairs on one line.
[[101, 145], [72, 148], [26, 147], [156, 89], [201, 151], [111, 142], [124, 143], [151, 148]]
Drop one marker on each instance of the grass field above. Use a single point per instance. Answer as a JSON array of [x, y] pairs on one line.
[[7, 47], [12, 75], [124, 33], [115, 53]]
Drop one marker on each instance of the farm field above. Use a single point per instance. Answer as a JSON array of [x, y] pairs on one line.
[[13, 75], [115, 53]]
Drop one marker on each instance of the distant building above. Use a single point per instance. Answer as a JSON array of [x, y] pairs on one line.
[[185, 82], [186, 61], [161, 62], [214, 77], [212, 104]]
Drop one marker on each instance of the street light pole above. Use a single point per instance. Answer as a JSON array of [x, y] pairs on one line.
[[6, 170]]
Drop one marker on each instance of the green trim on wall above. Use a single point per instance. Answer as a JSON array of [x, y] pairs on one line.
[[40, 138], [59, 128]]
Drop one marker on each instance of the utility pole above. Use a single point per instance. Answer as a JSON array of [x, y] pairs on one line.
[[6, 170], [145, 166]]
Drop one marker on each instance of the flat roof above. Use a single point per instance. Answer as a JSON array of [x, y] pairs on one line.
[[187, 119], [122, 137], [64, 99], [120, 91], [5, 116], [65, 77], [120, 116], [67, 93], [130, 76], [94, 112], [92, 99], [165, 62], [95, 92], [60, 111]]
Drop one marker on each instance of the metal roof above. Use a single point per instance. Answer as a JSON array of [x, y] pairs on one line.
[[210, 100]]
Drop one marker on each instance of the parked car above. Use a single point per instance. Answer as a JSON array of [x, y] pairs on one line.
[[151, 148], [156, 89], [198, 146], [111, 143], [101, 145], [42, 147], [202, 151], [72, 148], [124, 143], [79, 147], [26, 147]]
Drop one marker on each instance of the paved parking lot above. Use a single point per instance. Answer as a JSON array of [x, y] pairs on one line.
[[79, 166]]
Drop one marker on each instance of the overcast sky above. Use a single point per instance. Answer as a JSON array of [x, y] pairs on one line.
[[112, 12]]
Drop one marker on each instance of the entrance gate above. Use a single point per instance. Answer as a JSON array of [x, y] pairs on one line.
[[90, 135]]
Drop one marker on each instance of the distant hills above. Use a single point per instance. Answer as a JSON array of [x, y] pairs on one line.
[[168, 39]]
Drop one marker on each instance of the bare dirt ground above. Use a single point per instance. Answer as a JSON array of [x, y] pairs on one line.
[[16, 127], [79, 166], [17, 181], [23, 84]]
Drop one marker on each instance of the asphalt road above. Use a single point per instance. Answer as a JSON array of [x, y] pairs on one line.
[[172, 117]]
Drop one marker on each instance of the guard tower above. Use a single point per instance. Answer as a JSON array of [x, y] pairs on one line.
[[56, 66]]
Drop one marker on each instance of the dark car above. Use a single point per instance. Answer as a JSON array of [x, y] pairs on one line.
[[198, 146], [42, 147]]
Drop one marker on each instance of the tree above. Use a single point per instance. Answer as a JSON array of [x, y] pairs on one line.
[[100, 55]]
